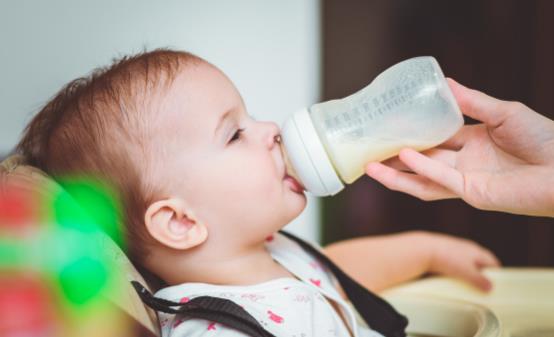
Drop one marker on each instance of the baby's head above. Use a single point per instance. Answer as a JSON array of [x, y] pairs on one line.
[[170, 132]]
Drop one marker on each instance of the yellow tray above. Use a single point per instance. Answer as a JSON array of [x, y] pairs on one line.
[[521, 304]]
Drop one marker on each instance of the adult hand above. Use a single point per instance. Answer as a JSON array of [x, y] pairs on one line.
[[504, 164]]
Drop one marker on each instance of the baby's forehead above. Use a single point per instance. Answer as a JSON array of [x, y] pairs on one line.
[[197, 98]]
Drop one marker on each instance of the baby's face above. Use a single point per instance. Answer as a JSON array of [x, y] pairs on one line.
[[226, 166]]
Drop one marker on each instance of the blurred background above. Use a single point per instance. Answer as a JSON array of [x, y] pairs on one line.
[[289, 54]]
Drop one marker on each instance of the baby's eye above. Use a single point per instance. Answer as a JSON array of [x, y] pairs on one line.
[[236, 136]]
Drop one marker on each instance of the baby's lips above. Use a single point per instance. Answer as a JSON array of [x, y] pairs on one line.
[[297, 187], [289, 169]]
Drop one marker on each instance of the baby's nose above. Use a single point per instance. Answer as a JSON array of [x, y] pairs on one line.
[[273, 134]]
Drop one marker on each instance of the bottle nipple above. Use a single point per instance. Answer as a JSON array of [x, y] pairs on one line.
[[288, 166]]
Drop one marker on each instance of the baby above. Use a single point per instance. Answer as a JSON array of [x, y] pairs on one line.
[[205, 192]]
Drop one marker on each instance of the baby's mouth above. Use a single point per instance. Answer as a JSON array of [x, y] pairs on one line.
[[290, 175], [294, 184]]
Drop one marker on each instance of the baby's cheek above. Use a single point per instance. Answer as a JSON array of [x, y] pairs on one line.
[[262, 181], [249, 183]]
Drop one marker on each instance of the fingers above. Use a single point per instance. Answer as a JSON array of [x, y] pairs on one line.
[[396, 163], [473, 275], [471, 269], [473, 272], [434, 170], [487, 259], [435, 176], [478, 105], [446, 156], [417, 186]]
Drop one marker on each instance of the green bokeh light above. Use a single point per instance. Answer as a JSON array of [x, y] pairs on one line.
[[66, 245], [84, 209], [83, 279], [12, 253], [89, 205]]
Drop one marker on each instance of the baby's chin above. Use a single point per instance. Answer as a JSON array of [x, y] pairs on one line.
[[296, 206]]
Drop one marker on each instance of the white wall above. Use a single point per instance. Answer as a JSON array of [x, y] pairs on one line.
[[270, 49]]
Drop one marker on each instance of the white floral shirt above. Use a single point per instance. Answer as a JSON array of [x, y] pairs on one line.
[[291, 307]]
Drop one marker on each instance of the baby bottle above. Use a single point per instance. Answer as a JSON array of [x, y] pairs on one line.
[[407, 105]]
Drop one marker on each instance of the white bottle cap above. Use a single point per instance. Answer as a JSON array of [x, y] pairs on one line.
[[308, 156]]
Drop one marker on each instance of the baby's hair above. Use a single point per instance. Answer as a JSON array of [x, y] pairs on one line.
[[99, 126]]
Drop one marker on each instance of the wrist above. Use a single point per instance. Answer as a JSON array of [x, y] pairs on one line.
[[425, 248]]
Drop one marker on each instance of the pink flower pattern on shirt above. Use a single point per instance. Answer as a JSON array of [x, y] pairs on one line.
[[316, 282], [177, 322], [274, 317]]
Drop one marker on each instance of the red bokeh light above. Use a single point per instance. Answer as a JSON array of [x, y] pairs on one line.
[[26, 306], [19, 209]]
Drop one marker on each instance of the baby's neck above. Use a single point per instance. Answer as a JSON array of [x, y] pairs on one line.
[[245, 268]]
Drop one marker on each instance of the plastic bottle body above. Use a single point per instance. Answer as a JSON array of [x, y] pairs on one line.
[[408, 105]]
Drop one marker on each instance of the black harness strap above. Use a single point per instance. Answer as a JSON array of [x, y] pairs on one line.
[[214, 309], [376, 312]]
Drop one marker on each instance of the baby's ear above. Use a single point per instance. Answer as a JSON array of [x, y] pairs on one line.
[[172, 224]]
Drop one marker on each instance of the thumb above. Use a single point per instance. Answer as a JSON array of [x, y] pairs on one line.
[[478, 105]]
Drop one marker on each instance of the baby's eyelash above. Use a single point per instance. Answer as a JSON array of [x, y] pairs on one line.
[[236, 135]]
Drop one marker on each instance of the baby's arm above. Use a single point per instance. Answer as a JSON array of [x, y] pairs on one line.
[[380, 262]]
